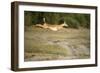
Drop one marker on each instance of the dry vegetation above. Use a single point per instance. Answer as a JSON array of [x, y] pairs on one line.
[[67, 43]]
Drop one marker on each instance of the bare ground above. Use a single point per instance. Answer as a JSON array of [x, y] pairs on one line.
[[67, 43]]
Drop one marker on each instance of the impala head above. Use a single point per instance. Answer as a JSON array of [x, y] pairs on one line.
[[64, 24]]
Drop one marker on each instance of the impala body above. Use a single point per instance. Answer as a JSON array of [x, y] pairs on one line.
[[54, 27]]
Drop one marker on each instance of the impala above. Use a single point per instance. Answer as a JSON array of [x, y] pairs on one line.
[[52, 27]]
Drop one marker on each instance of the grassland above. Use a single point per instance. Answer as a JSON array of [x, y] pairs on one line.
[[68, 43]]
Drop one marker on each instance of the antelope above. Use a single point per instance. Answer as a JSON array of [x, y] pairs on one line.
[[52, 27]]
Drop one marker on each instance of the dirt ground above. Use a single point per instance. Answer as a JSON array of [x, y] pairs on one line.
[[67, 43]]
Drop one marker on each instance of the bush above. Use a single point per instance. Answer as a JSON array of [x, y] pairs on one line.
[[72, 22]]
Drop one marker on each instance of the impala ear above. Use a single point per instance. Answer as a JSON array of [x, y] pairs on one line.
[[44, 20]]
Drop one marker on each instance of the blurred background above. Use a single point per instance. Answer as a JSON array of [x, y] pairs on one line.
[[74, 20]]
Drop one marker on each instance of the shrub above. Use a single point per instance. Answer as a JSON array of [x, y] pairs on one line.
[[72, 22]]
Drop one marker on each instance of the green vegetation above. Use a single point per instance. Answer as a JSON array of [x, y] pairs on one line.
[[74, 20]]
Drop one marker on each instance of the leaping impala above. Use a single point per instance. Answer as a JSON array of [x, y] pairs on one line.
[[52, 27]]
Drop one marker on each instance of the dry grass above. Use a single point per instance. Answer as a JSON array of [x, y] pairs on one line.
[[67, 43]]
